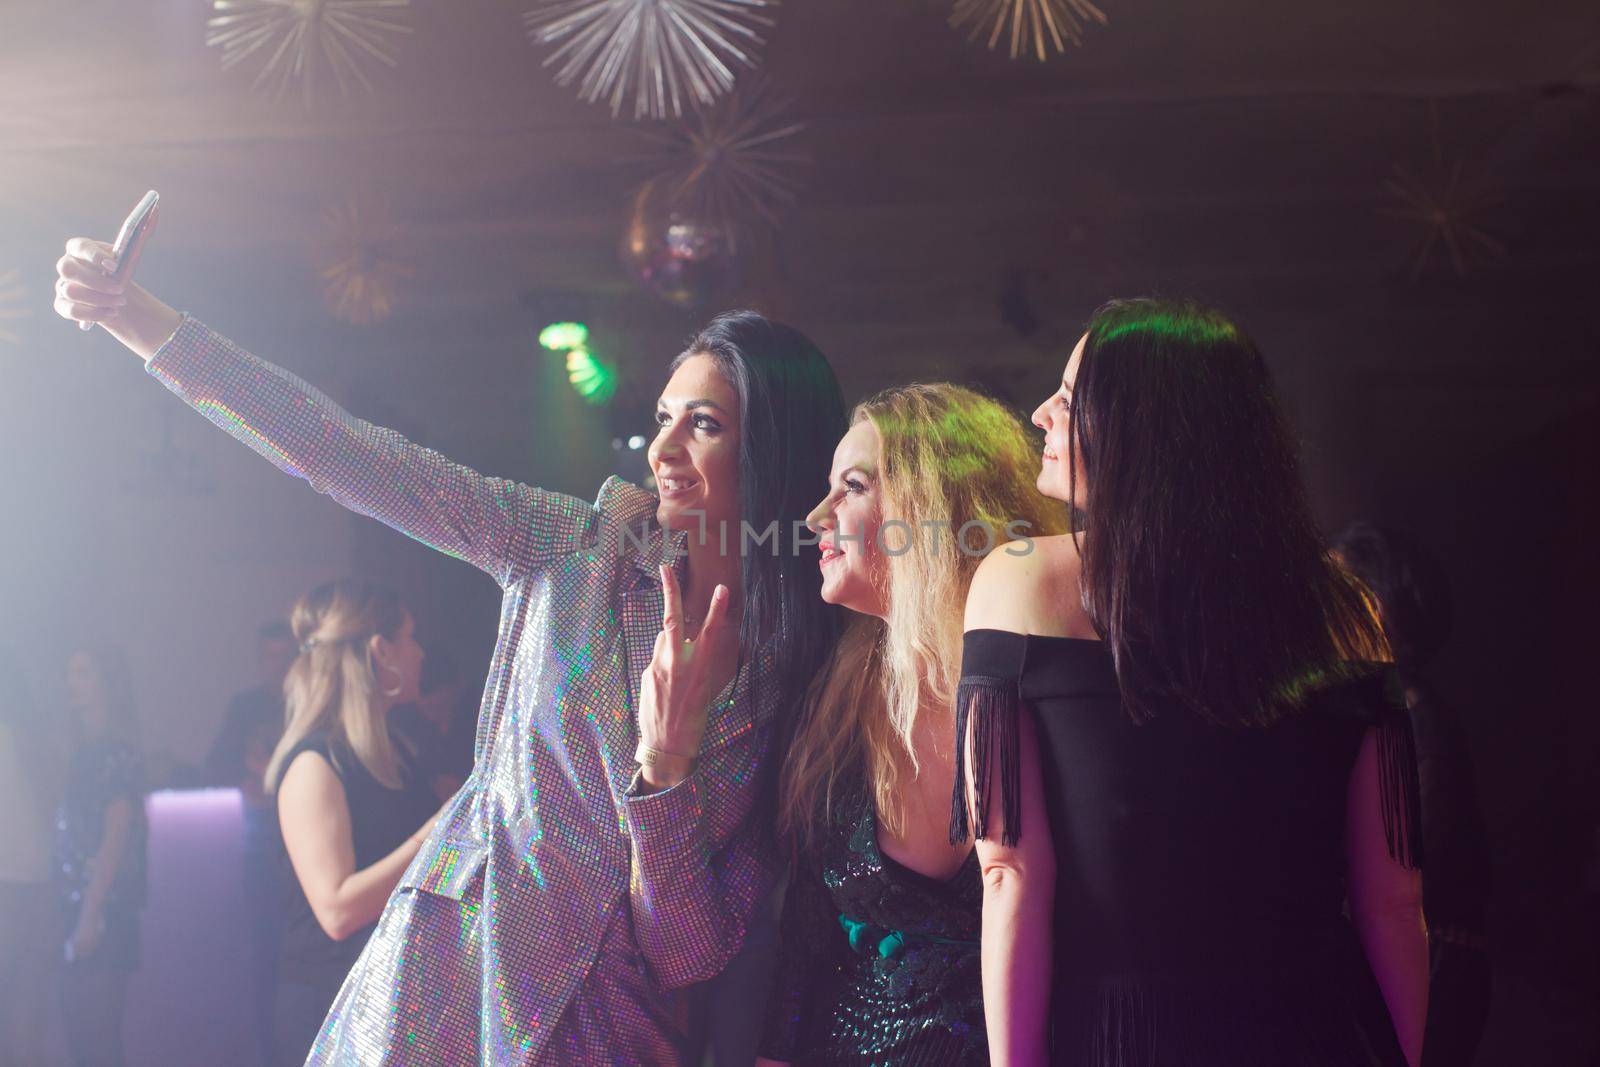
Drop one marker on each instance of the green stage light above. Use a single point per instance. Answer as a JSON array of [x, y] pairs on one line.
[[591, 377], [564, 336]]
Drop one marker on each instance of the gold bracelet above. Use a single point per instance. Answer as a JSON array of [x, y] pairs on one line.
[[670, 764]]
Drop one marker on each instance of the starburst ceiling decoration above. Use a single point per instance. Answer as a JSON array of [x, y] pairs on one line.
[[662, 53], [291, 35], [1031, 25], [1447, 202], [360, 270], [11, 305], [733, 163]]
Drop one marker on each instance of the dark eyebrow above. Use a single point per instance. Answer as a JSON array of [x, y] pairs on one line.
[[698, 402]]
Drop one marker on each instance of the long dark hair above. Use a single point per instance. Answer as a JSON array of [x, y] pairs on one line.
[[1202, 566], [792, 414]]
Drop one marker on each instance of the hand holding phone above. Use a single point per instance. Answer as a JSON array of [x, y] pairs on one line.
[[130, 239]]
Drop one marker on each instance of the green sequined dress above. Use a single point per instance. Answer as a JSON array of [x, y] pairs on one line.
[[878, 963]]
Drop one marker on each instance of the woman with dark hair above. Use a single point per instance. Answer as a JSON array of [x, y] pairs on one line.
[[28, 945], [1413, 598], [1180, 750], [602, 854], [99, 854]]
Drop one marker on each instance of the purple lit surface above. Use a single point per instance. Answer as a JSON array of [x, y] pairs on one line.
[[189, 1003]]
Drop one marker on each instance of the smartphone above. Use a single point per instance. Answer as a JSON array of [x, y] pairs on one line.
[[134, 229]]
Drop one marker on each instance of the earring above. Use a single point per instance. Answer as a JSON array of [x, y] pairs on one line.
[[398, 689]]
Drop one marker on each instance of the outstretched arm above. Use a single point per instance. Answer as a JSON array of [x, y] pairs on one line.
[[490, 522]]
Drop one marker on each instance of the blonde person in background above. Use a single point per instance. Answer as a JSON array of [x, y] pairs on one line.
[[879, 957], [353, 806]]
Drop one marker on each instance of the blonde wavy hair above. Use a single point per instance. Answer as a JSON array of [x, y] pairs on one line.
[[949, 456], [332, 685]]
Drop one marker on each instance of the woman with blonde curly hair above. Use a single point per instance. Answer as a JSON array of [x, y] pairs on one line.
[[879, 961]]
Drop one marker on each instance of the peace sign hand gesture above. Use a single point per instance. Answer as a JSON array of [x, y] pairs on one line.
[[677, 689]]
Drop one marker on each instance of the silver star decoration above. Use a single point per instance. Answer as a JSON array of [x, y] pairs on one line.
[[662, 53], [731, 162], [357, 262], [1032, 24], [1447, 202], [292, 34]]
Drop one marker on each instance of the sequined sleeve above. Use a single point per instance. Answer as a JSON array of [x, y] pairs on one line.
[[692, 904], [495, 524], [809, 923]]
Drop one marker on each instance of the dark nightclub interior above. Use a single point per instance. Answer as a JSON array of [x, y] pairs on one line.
[[1400, 203]]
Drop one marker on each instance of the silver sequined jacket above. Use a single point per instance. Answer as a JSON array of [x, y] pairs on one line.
[[550, 910]]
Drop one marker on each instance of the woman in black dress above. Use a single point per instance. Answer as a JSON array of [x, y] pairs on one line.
[[1181, 752], [352, 802], [879, 956], [99, 854]]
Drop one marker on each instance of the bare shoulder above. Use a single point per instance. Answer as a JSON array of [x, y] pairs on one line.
[[309, 778], [1030, 587]]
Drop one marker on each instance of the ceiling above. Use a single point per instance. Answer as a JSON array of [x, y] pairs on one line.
[[1237, 149]]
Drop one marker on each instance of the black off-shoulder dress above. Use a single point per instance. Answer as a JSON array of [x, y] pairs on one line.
[[1199, 908]]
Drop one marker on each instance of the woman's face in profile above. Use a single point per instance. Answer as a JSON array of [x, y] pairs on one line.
[[695, 454], [855, 571], [1054, 417]]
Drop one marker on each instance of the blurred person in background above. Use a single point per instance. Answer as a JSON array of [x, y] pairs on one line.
[[441, 726], [99, 854], [352, 802], [238, 758], [28, 945], [254, 719], [1414, 604]]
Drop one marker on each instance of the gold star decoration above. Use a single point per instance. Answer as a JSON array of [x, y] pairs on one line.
[[293, 34], [1446, 201], [11, 305], [731, 163], [361, 272], [657, 51], [1033, 25]]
